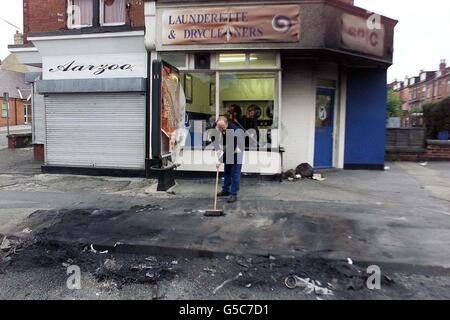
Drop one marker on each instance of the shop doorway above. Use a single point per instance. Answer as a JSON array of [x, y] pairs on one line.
[[323, 149]]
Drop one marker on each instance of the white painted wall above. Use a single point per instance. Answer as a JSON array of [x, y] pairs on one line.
[[38, 111], [259, 162], [340, 120], [91, 44], [298, 112]]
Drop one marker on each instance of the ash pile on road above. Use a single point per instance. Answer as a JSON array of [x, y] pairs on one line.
[[305, 275], [114, 268]]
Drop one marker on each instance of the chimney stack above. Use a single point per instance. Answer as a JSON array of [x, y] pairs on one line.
[[18, 38], [442, 66]]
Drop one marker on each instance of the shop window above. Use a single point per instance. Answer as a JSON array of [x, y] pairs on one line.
[[113, 12], [262, 60], [232, 60], [81, 13], [176, 59], [199, 89], [249, 99], [247, 60]]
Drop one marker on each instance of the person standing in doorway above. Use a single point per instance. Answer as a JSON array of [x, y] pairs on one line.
[[233, 150]]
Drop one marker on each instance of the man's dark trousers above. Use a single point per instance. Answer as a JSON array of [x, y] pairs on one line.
[[232, 179]]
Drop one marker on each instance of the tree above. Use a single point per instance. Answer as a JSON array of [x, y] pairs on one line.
[[394, 104]]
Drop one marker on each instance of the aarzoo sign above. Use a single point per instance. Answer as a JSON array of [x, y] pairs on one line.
[[95, 67]]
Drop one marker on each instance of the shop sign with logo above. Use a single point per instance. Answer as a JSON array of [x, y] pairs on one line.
[[362, 35], [218, 25], [95, 66]]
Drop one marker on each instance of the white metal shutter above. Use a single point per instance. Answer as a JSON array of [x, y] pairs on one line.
[[96, 130]]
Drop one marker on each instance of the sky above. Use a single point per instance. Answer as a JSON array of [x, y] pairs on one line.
[[10, 10], [421, 36]]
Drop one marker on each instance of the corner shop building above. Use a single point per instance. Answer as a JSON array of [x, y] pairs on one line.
[[314, 71]]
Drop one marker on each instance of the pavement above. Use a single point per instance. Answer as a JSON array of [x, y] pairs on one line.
[[400, 216], [397, 220]]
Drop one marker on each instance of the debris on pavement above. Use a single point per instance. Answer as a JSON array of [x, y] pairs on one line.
[[350, 261], [95, 251], [128, 272], [27, 230], [289, 175], [424, 164], [243, 262], [305, 170], [207, 269], [147, 208], [151, 258], [226, 282], [318, 177], [110, 264], [6, 244], [309, 286]]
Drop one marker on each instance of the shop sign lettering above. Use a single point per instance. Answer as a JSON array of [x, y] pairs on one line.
[[231, 25], [359, 35], [94, 67], [73, 66]]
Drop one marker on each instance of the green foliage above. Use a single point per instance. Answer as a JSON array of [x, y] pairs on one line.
[[416, 110], [436, 117], [394, 104]]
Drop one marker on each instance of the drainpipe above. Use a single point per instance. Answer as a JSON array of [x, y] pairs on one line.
[[15, 109], [150, 45]]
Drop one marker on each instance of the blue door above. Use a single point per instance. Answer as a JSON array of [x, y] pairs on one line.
[[323, 150]]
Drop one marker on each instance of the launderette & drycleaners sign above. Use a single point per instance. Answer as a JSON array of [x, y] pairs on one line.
[[231, 25]]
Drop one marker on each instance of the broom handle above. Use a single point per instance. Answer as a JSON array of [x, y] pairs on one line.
[[217, 187]]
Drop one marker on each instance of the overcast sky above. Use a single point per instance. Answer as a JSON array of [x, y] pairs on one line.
[[421, 37]]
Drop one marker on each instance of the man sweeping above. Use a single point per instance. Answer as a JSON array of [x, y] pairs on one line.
[[233, 145]]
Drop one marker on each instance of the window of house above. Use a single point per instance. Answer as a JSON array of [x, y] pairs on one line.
[[113, 12], [4, 110], [84, 13], [448, 86], [423, 77], [27, 113], [80, 13]]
